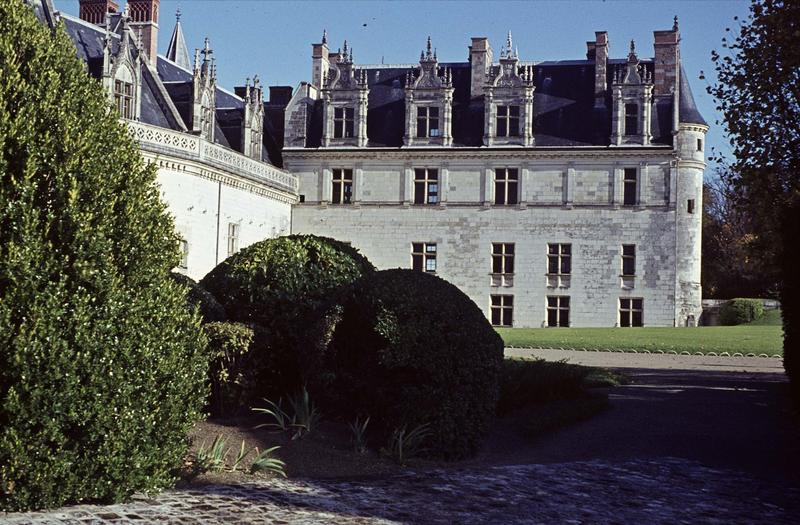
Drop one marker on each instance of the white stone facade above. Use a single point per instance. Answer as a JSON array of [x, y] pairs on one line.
[[221, 200], [565, 198]]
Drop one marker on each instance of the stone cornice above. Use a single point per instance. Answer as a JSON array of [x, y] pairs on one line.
[[216, 158], [482, 154]]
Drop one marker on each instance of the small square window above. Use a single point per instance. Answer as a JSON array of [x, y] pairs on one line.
[[690, 205], [423, 256], [630, 312], [502, 310]]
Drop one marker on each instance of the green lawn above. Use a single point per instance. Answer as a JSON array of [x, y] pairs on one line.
[[744, 339]]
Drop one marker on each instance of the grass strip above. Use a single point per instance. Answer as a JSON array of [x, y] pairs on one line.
[[742, 340]]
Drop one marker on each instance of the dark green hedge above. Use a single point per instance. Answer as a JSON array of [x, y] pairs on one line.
[[102, 368], [741, 311], [408, 348], [197, 297], [273, 286]]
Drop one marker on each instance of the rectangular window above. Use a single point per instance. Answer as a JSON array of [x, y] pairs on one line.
[[123, 98], [502, 310], [630, 312], [629, 187], [628, 260], [426, 186], [343, 122], [183, 246], [503, 258], [557, 310], [342, 190], [690, 205], [233, 238], [423, 256], [631, 119], [699, 144], [506, 181], [508, 121], [428, 122], [559, 259]]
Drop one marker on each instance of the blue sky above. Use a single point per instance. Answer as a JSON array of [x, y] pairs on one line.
[[273, 38]]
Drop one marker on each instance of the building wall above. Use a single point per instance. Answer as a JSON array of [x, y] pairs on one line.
[[563, 200], [204, 208]]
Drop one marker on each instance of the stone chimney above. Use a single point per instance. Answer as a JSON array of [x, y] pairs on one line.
[[591, 50], [94, 11], [600, 50], [319, 60], [667, 59], [480, 58], [144, 20]]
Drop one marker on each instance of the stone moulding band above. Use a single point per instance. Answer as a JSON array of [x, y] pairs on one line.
[[190, 147]]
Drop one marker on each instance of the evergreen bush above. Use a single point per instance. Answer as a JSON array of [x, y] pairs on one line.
[[102, 368], [741, 311], [229, 345], [407, 348], [197, 297], [274, 285]]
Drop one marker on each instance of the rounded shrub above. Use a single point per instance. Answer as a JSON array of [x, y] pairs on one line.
[[197, 297], [407, 348], [274, 285], [102, 368], [740, 311]]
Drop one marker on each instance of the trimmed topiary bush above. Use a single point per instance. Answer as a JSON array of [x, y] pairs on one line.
[[740, 311], [407, 348], [274, 285], [197, 297], [102, 368], [229, 346]]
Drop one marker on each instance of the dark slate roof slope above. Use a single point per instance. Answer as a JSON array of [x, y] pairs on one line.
[[564, 112], [688, 112]]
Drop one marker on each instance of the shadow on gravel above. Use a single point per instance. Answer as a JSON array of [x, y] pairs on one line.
[[723, 419]]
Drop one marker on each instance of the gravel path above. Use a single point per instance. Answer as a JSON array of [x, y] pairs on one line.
[[691, 440]]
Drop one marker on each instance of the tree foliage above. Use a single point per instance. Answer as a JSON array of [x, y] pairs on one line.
[[102, 367], [758, 93], [736, 261]]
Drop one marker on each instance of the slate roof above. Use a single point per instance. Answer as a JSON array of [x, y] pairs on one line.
[[564, 112], [169, 84], [688, 111]]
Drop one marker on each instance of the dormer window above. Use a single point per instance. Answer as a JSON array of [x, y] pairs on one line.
[[631, 119], [428, 122], [429, 102], [508, 121], [123, 98], [343, 122], [508, 107]]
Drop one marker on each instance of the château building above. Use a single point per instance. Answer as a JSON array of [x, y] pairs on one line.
[[553, 193], [210, 145]]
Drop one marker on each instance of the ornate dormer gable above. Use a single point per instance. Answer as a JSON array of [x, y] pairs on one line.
[[204, 93], [508, 104], [632, 94], [122, 70], [344, 95], [253, 119], [429, 103]]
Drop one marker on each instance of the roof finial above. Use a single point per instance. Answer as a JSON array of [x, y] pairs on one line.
[[324, 36], [428, 49], [633, 48], [675, 23], [178, 15], [509, 45]]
